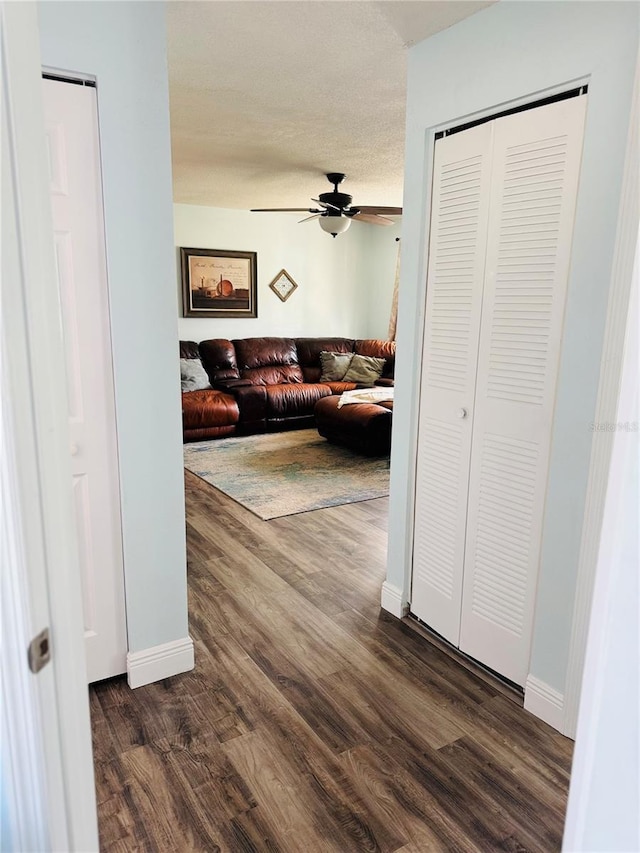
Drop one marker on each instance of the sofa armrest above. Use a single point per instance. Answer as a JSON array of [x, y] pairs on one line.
[[230, 384], [251, 400], [385, 382]]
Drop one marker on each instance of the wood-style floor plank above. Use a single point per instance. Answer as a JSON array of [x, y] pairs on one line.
[[313, 721]]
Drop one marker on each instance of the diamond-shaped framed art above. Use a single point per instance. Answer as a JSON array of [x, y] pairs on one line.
[[283, 285]]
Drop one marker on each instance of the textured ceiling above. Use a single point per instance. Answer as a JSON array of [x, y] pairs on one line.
[[268, 96]]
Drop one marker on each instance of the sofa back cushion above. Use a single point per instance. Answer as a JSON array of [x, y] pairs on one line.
[[379, 349], [219, 359], [189, 349], [309, 350], [268, 361]]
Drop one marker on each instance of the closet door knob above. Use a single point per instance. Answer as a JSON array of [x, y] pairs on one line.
[[74, 449], [462, 413]]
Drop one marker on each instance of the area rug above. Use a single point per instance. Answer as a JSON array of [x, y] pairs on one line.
[[286, 473]]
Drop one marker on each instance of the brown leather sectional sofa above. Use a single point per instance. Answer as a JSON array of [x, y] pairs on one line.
[[266, 384]]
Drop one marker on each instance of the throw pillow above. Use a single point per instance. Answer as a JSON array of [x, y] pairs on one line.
[[364, 370], [334, 365], [193, 376]]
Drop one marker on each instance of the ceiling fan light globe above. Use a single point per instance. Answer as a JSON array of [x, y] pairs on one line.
[[334, 224]]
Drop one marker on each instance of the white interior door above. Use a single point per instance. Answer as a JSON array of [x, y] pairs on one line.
[[457, 247], [536, 165], [48, 791], [71, 124]]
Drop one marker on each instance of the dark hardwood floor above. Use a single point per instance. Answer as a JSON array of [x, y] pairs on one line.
[[313, 721]]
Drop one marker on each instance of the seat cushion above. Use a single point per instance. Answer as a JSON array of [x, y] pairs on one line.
[[339, 387], [204, 409]]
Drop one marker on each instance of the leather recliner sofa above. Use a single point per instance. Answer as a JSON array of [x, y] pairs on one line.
[[266, 384]]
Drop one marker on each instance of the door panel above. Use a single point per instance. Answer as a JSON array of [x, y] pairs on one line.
[[536, 163], [454, 297], [76, 195]]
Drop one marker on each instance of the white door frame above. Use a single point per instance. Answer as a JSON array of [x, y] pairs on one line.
[[606, 411], [605, 778], [42, 579]]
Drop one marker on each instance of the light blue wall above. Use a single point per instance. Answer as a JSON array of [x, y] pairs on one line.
[[511, 51], [124, 46]]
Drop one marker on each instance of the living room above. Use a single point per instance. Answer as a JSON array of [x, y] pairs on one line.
[[342, 288], [123, 45], [340, 298]]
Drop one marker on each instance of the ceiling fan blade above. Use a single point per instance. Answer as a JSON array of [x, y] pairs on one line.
[[373, 218], [307, 218], [281, 210], [326, 204], [384, 211]]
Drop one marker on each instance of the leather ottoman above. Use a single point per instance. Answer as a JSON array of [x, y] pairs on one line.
[[365, 427]]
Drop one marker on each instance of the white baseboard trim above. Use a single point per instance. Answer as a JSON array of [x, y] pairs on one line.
[[392, 600], [544, 702], [160, 662]]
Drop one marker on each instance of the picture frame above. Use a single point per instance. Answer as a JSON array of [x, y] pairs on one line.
[[283, 285], [219, 283]]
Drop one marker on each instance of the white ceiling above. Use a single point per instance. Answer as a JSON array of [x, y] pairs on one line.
[[269, 95]]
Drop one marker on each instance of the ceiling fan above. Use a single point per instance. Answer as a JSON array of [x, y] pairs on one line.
[[336, 212]]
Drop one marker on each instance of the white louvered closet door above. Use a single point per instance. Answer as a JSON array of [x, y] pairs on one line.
[[454, 297], [534, 182]]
